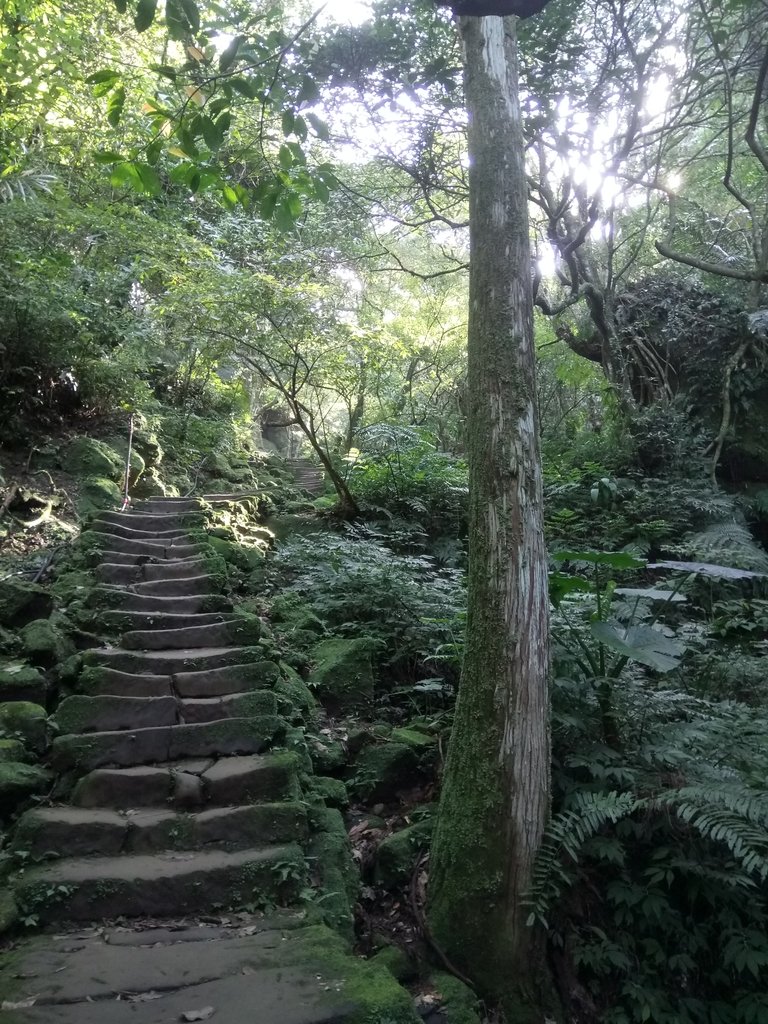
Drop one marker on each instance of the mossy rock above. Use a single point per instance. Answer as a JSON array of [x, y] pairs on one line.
[[44, 644], [342, 673], [21, 719], [396, 854], [98, 492], [9, 911], [145, 442], [334, 870], [19, 681], [235, 554], [296, 694], [397, 962], [459, 1004], [20, 781], [12, 750], [327, 756], [87, 457], [22, 601], [138, 464], [333, 792], [293, 612], [71, 585], [383, 770], [149, 486]]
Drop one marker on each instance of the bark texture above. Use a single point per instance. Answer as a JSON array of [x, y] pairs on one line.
[[495, 796]]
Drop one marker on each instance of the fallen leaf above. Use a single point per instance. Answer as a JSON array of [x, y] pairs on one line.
[[143, 997], [192, 1015], [6, 1005]]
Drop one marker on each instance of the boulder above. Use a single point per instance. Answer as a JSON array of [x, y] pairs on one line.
[[22, 601], [396, 854], [98, 492], [23, 720], [87, 457], [382, 770], [20, 781], [44, 645], [342, 673], [19, 681]]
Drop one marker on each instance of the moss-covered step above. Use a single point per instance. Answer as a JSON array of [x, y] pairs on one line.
[[232, 629], [194, 585], [255, 675], [295, 975], [150, 522], [183, 568], [106, 713], [172, 506], [112, 599], [177, 547], [96, 681], [235, 705], [164, 663], [124, 619], [146, 746], [230, 781], [160, 885], [81, 832], [129, 528]]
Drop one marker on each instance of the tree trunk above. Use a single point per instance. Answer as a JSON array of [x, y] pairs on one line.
[[495, 795]]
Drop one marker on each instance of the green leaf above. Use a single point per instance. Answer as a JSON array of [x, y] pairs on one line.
[[561, 584], [230, 197], [223, 124], [295, 205], [319, 127], [102, 76], [640, 643], [193, 14], [145, 14], [616, 559], [322, 191], [122, 6], [650, 594], [165, 70], [154, 149], [210, 133], [268, 204], [243, 86], [229, 56], [288, 122], [115, 106], [283, 218], [309, 91], [285, 158], [107, 156]]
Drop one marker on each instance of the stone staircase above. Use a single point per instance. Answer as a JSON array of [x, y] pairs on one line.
[[184, 815], [307, 475]]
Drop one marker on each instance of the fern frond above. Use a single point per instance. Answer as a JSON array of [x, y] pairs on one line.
[[726, 543]]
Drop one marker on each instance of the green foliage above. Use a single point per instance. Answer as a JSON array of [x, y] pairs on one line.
[[360, 588], [398, 469]]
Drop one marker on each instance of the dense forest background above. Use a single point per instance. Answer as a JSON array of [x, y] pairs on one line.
[[245, 224]]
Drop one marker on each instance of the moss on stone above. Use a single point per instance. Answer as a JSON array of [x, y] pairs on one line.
[[459, 1003], [332, 792], [376, 996], [420, 742], [396, 854], [9, 912], [328, 756], [293, 612], [87, 457], [296, 694], [72, 585], [98, 492], [11, 750], [342, 672], [397, 962], [22, 601], [19, 681], [26, 721], [334, 873], [383, 769], [44, 644], [20, 781]]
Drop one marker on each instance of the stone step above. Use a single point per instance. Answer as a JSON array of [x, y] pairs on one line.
[[83, 832], [217, 682], [234, 705], [97, 681], [162, 620], [82, 714], [109, 713], [270, 971], [132, 558], [113, 572], [129, 601], [149, 521], [177, 547], [172, 506], [170, 662], [229, 781], [130, 532], [126, 748], [235, 630], [193, 585], [160, 885]]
